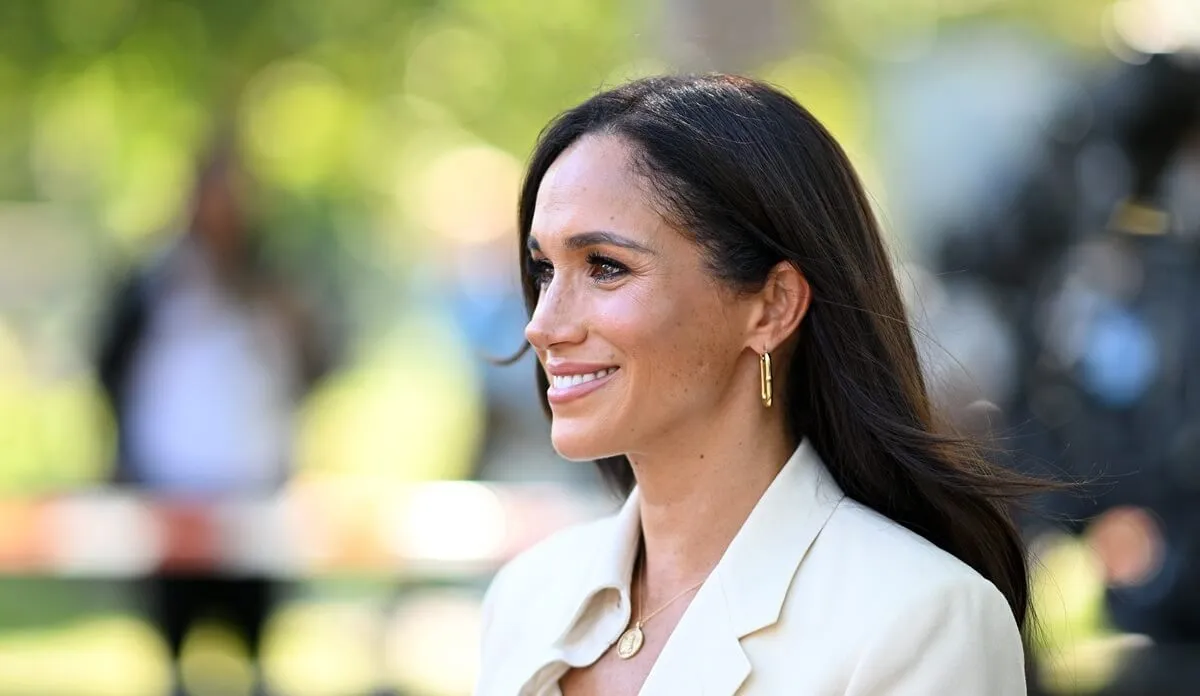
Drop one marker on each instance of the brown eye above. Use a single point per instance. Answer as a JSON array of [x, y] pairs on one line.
[[541, 271], [605, 269]]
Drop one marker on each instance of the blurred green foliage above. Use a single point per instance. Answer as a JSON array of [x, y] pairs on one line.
[[104, 101], [349, 115]]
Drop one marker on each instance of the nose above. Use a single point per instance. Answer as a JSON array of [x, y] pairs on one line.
[[557, 319]]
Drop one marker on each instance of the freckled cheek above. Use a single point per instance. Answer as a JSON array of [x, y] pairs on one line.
[[632, 326], [667, 347], [701, 346]]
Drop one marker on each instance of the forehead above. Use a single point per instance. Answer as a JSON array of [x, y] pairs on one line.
[[593, 186]]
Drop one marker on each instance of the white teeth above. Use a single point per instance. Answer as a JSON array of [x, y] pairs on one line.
[[566, 381]]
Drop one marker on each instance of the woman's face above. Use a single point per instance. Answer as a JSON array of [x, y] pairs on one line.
[[638, 340]]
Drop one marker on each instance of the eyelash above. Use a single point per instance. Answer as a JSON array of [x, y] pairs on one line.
[[542, 270]]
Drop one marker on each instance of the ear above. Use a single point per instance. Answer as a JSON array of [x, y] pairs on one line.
[[779, 307]]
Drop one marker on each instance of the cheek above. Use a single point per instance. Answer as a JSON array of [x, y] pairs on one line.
[[700, 353], [667, 338], [634, 323]]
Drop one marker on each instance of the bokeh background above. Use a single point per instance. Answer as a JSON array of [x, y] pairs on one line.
[[385, 140]]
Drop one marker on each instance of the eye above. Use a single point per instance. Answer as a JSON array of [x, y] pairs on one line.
[[605, 269], [541, 271]]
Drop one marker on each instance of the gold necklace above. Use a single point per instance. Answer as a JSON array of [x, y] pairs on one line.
[[632, 639]]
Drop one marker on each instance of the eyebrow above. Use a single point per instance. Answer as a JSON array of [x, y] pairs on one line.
[[584, 240]]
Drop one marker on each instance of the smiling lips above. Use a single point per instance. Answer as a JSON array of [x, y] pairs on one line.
[[567, 384]]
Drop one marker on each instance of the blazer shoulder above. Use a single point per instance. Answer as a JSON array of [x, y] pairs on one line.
[[929, 622], [868, 582], [885, 564]]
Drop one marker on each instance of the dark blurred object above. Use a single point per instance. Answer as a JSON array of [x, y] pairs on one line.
[[1093, 261], [1156, 670], [204, 356], [1104, 148]]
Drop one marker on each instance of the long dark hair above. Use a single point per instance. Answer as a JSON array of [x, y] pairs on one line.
[[754, 179]]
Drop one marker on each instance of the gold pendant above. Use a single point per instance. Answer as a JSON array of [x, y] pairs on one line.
[[630, 642]]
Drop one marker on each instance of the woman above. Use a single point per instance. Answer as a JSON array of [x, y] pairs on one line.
[[718, 323]]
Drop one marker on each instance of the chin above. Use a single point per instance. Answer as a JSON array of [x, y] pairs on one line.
[[578, 442]]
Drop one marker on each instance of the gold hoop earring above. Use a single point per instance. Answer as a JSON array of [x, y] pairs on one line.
[[764, 378]]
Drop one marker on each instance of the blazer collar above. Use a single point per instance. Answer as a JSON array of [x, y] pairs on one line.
[[757, 568], [746, 590]]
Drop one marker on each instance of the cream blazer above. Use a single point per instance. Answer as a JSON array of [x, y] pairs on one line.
[[816, 595]]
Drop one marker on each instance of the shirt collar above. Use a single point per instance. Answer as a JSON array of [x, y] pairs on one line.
[[757, 567], [613, 554], [618, 552]]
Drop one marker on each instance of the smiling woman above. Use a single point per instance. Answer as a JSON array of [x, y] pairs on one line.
[[633, 302], [718, 325]]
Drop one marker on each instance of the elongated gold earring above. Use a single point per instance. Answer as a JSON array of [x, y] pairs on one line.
[[764, 378]]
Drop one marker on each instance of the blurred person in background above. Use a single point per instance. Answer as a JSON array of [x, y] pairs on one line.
[[1093, 261], [720, 328], [205, 355]]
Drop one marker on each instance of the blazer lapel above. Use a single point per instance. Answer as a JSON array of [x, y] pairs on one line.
[[703, 655], [747, 590], [762, 560]]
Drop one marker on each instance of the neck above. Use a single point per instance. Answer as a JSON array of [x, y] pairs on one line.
[[697, 490]]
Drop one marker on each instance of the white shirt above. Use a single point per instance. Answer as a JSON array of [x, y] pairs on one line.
[[211, 389], [815, 595]]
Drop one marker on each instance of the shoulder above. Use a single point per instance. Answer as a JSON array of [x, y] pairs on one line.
[[866, 566], [889, 557], [893, 597], [886, 598]]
